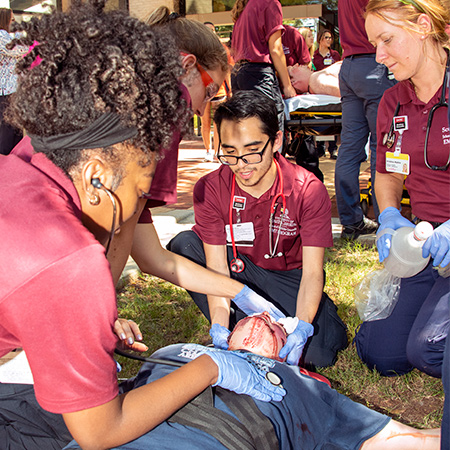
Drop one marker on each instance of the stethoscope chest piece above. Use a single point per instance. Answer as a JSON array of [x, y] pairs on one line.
[[273, 378]]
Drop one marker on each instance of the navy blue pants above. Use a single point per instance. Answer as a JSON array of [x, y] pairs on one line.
[[279, 287], [414, 335], [445, 432], [362, 82]]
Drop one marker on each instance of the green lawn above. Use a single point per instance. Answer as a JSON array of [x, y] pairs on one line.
[[167, 315]]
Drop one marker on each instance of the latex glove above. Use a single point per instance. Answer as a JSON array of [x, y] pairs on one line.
[[238, 375], [250, 302], [295, 342], [219, 336], [390, 218], [438, 245]]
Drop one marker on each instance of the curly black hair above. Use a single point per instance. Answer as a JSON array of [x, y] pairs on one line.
[[87, 62]]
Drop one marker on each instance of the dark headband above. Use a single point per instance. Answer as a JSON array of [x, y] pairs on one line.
[[105, 131]]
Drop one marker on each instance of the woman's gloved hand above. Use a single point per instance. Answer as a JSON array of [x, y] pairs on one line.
[[391, 219], [295, 342], [438, 245], [238, 375], [219, 336], [250, 302]]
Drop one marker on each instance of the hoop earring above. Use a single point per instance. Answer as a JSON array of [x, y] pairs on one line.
[[94, 200]]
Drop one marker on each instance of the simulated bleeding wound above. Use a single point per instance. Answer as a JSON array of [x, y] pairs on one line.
[[258, 334]]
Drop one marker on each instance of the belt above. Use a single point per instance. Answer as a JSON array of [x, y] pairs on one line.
[[361, 55], [241, 62]]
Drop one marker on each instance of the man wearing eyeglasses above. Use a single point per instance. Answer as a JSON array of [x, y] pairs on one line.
[[264, 222]]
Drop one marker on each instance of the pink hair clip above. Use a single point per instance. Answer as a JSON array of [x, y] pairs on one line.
[[38, 59]]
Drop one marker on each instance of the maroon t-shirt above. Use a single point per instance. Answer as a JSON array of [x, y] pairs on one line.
[[429, 189], [320, 62], [294, 47], [57, 296], [352, 32], [163, 190], [307, 221], [251, 32]]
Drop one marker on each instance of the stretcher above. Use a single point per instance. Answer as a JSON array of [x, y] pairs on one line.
[[314, 115], [310, 117]]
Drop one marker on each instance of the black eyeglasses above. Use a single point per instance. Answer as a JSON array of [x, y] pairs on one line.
[[249, 158]]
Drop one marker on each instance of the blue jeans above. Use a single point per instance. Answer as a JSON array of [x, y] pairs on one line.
[[414, 335], [362, 82]]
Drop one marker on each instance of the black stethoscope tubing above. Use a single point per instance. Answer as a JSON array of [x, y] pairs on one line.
[[440, 104], [271, 377]]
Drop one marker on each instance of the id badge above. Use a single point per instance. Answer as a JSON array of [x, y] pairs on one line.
[[327, 62], [397, 163], [244, 234]]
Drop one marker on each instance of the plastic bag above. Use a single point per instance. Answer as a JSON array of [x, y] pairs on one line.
[[376, 295]]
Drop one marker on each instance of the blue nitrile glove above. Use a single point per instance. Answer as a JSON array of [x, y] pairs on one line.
[[295, 342], [438, 245], [238, 375], [251, 303], [391, 219], [219, 336]]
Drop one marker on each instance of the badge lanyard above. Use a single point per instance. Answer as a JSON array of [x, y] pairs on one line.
[[236, 264]]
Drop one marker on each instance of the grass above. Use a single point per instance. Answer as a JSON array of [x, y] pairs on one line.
[[167, 315]]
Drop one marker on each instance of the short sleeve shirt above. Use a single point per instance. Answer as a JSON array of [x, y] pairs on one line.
[[307, 221], [352, 32], [163, 190], [428, 189], [57, 296], [320, 62], [294, 47], [250, 37]]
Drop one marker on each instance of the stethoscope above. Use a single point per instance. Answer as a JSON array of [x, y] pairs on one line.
[[236, 264], [271, 377], [98, 185], [389, 138]]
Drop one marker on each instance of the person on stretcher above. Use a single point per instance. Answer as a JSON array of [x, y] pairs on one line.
[[325, 81], [311, 415]]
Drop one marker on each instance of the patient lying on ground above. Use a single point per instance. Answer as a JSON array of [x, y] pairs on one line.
[[310, 416]]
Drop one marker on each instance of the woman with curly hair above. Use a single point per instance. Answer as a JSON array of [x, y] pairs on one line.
[[205, 64], [98, 95]]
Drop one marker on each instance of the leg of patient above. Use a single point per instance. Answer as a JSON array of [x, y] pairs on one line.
[[397, 436]]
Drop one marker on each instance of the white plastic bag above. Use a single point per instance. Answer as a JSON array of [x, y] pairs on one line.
[[376, 295]]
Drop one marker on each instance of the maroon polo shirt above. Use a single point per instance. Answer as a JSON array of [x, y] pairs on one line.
[[57, 297], [320, 62], [294, 47], [429, 189], [163, 190], [251, 32], [307, 223], [352, 32]]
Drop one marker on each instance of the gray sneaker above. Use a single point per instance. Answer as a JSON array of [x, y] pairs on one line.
[[366, 226]]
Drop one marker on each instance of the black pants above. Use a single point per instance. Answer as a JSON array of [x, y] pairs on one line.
[[279, 287], [260, 77], [9, 136], [24, 425]]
